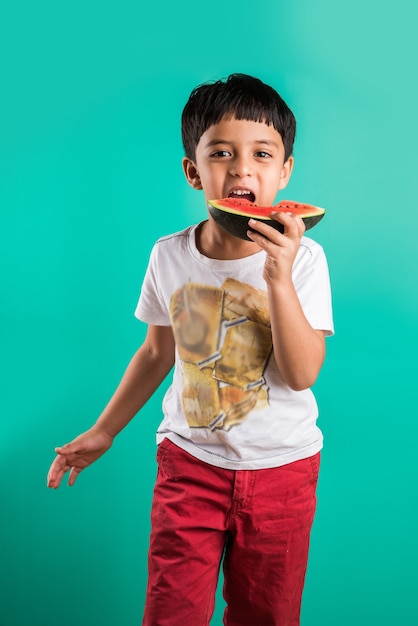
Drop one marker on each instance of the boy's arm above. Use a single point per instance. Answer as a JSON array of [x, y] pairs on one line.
[[298, 348], [145, 372]]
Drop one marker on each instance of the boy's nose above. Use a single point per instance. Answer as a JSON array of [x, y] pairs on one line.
[[241, 168]]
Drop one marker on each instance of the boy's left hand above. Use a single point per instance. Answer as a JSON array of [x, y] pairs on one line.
[[281, 248]]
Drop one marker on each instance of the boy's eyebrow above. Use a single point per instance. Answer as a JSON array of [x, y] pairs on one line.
[[265, 142]]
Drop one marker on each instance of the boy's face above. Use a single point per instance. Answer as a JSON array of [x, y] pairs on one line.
[[240, 159]]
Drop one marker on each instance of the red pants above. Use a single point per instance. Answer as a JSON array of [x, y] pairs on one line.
[[257, 521]]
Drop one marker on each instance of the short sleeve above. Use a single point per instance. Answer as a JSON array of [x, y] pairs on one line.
[[151, 307], [312, 283]]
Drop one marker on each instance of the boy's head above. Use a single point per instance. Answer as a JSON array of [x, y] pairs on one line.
[[241, 97]]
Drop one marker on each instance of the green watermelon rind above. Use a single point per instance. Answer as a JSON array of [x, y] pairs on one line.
[[236, 223]]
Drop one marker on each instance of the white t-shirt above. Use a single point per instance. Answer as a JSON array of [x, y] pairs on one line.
[[227, 404]]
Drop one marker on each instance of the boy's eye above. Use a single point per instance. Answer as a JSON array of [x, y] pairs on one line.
[[221, 153], [262, 154]]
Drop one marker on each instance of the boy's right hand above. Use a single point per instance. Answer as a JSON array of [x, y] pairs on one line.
[[77, 455]]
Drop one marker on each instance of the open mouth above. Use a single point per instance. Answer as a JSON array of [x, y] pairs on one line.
[[242, 194]]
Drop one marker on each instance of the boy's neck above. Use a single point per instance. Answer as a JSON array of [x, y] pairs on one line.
[[214, 243]]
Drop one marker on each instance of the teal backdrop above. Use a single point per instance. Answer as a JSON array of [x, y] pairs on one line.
[[90, 176]]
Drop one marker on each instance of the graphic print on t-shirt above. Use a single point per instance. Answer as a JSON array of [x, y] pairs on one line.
[[224, 340]]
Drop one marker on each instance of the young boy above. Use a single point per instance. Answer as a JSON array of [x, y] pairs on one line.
[[244, 324]]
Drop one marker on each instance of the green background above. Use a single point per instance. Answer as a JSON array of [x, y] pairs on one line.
[[90, 176]]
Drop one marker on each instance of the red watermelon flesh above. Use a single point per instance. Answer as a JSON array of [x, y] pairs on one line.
[[232, 214]]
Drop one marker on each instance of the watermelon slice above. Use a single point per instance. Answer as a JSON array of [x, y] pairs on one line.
[[233, 214]]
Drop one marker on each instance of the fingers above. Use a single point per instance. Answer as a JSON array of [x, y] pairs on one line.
[[294, 228], [56, 472], [77, 455], [68, 448], [75, 471], [60, 466], [281, 248], [293, 224]]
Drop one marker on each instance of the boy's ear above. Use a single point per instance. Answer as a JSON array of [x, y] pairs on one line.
[[286, 172], [191, 173]]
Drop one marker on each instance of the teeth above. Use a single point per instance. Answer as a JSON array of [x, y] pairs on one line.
[[241, 192]]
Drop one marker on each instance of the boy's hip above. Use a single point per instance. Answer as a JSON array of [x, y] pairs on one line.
[[287, 488]]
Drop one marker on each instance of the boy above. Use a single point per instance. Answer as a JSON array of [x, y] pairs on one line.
[[244, 324]]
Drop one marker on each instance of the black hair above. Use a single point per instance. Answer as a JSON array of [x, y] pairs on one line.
[[242, 97]]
